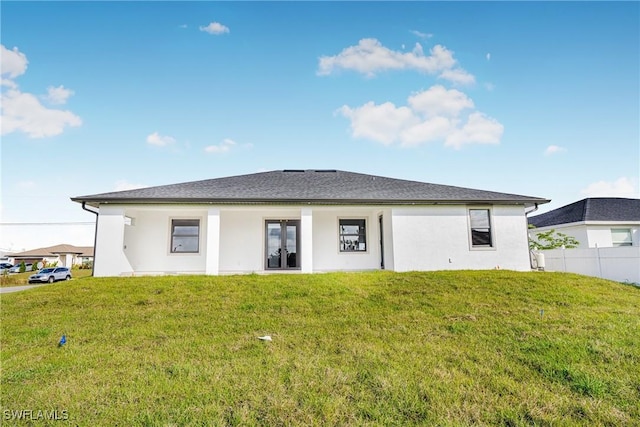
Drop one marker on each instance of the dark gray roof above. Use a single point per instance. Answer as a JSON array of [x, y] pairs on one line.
[[306, 186], [591, 209]]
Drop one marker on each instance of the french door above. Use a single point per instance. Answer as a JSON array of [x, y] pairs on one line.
[[282, 244]]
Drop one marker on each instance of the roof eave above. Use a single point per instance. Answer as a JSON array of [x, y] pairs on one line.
[[96, 202]]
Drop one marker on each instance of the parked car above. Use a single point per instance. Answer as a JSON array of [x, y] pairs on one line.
[[51, 275], [16, 268], [5, 266]]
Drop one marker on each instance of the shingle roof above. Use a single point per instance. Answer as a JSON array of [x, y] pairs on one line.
[[591, 209], [306, 186], [55, 250]]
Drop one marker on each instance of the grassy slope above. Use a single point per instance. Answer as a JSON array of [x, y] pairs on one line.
[[450, 348]]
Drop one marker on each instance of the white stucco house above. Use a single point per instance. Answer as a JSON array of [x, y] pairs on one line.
[[307, 221], [602, 222]]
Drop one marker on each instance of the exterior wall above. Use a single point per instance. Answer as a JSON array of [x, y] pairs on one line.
[[592, 234], [438, 238], [242, 242], [326, 244], [136, 239], [146, 242], [110, 259], [242, 238]]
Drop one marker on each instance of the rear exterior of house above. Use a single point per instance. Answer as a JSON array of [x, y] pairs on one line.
[[307, 221]]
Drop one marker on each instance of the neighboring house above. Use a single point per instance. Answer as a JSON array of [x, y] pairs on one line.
[[64, 255], [595, 222], [307, 221]]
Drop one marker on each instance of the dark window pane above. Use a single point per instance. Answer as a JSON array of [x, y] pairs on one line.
[[480, 221], [480, 237], [353, 235], [185, 235]]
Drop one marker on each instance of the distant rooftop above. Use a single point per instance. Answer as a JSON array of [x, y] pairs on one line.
[[56, 250], [312, 186], [591, 209]]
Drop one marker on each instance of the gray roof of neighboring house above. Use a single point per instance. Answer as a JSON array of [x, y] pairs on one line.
[[86, 251], [306, 186], [591, 209]]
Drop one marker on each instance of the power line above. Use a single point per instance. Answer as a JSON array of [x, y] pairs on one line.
[[47, 223]]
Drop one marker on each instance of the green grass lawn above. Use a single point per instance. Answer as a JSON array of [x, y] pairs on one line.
[[442, 348]]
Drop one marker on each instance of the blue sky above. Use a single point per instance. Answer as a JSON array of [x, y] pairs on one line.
[[534, 98]]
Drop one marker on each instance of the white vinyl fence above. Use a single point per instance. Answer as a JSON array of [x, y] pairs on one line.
[[621, 264]]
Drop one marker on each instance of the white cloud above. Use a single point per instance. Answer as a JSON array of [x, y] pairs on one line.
[[383, 123], [23, 112], [58, 95], [458, 76], [123, 185], [622, 187], [215, 28], [223, 147], [370, 56], [13, 63], [553, 149], [488, 57], [159, 140], [437, 114], [421, 34], [183, 26], [479, 129], [437, 100]]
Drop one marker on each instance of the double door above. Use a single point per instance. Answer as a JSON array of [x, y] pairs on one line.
[[282, 244]]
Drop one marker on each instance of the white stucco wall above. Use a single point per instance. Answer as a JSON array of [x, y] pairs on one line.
[[110, 259], [242, 238], [415, 238], [144, 246], [438, 238], [242, 241], [326, 248]]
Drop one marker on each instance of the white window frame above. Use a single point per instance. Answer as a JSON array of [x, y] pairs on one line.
[[171, 230], [619, 243], [492, 245], [366, 235]]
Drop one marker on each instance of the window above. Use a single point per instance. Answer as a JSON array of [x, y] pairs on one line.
[[621, 237], [353, 235], [185, 236], [480, 222]]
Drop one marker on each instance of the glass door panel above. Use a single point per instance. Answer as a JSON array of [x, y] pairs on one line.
[[292, 244], [274, 240]]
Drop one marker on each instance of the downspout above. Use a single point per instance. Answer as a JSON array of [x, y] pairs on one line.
[[535, 208], [95, 237]]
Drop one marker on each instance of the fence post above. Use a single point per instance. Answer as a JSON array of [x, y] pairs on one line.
[[599, 263], [564, 260]]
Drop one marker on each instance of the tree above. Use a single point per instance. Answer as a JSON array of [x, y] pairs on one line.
[[23, 267], [551, 240]]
